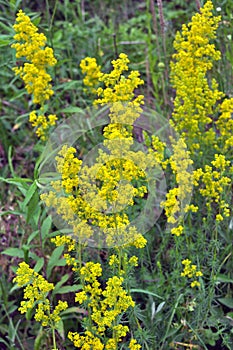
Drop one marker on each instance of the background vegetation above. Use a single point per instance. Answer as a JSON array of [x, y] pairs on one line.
[[170, 317]]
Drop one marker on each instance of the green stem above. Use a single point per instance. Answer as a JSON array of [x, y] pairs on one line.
[[54, 339], [80, 255], [170, 320]]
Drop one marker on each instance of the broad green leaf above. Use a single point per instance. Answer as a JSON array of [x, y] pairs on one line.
[[16, 252], [39, 338], [39, 264], [63, 280], [33, 207], [45, 227], [69, 289], [224, 279], [73, 110], [74, 310], [60, 329], [32, 236], [54, 260], [29, 194], [227, 302]]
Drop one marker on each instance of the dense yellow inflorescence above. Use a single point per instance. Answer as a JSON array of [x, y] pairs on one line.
[[215, 180], [204, 122], [197, 101], [31, 45], [76, 197], [92, 72], [105, 306], [177, 198], [190, 271], [35, 293], [196, 98]]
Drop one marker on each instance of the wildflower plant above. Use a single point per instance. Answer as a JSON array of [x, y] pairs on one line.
[[198, 112], [36, 295], [114, 196], [38, 57]]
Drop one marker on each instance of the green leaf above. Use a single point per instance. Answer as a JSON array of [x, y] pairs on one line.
[[4, 42], [45, 227], [7, 212], [15, 287], [69, 289], [160, 306], [39, 338], [211, 337], [32, 236], [60, 329], [16, 252], [72, 109], [39, 264], [63, 280], [12, 330], [4, 342], [227, 302], [146, 292], [29, 194], [229, 318], [22, 184], [223, 278], [54, 260], [74, 310], [33, 207]]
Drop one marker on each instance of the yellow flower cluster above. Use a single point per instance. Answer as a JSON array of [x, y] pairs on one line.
[[77, 197], [117, 86], [133, 345], [35, 293], [69, 166], [118, 91], [204, 122], [125, 108], [84, 203], [42, 123], [90, 67], [31, 45], [90, 342], [190, 271], [105, 306], [214, 184], [85, 342], [157, 149], [224, 126], [195, 97], [176, 204], [62, 240]]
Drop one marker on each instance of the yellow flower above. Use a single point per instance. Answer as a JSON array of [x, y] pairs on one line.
[[195, 284], [177, 230], [92, 71], [190, 271], [31, 45], [195, 96], [36, 291], [133, 345], [213, 183]]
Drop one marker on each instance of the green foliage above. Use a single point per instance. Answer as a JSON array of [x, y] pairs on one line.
[[168, 313]]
